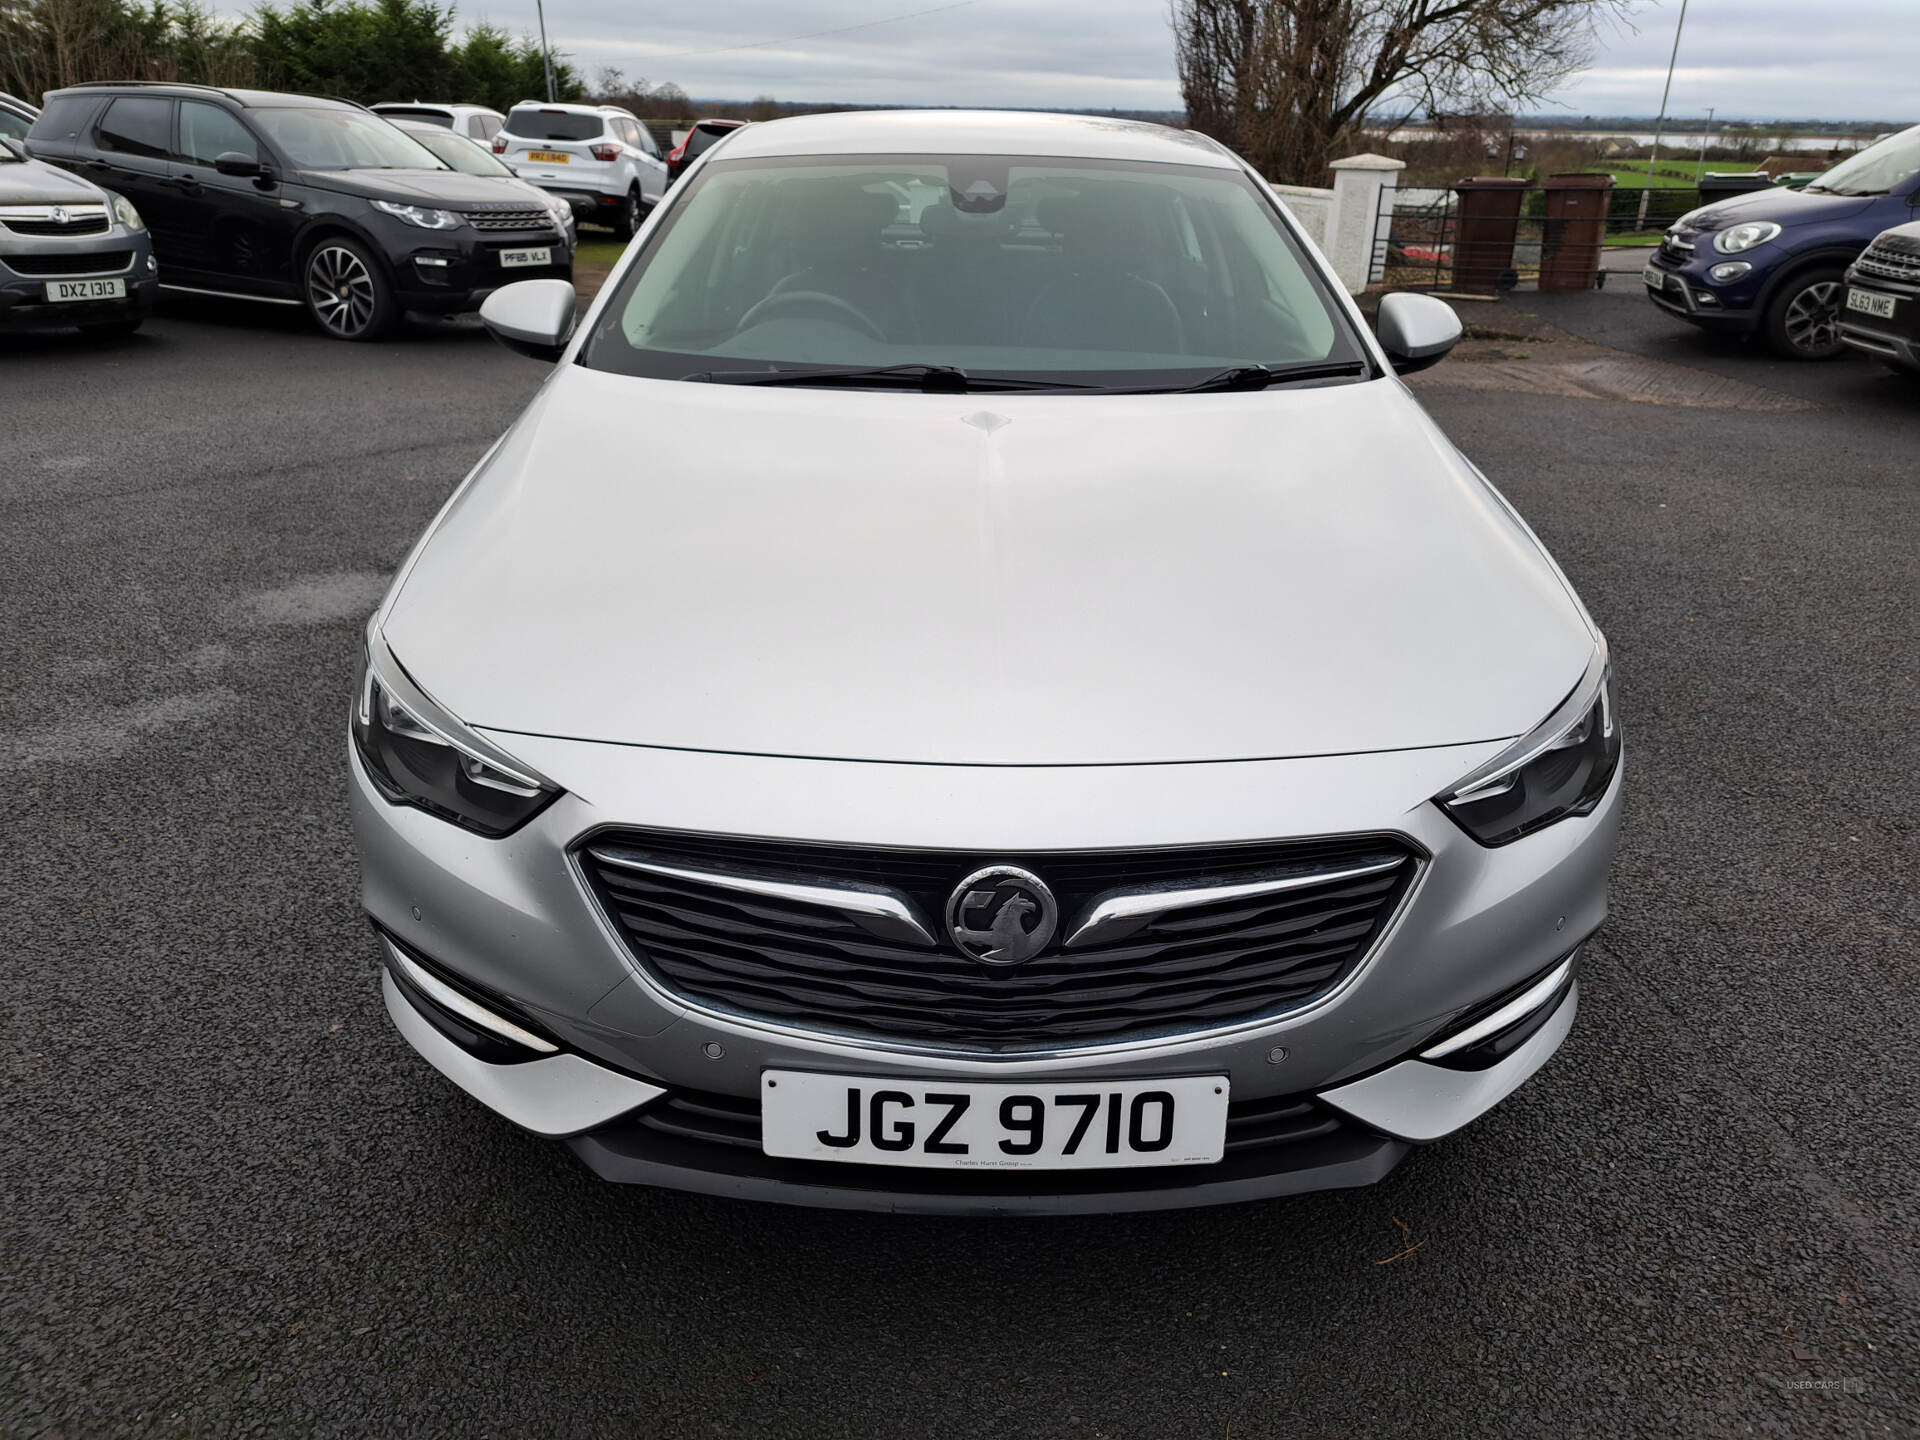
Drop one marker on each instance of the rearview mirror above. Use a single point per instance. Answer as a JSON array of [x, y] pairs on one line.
[[533, 317], [1416, 331], [241, 167]]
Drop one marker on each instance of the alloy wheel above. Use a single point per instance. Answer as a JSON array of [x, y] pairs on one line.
[[341, 290], [1813, 318]]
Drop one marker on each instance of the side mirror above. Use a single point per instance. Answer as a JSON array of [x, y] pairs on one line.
[[1416, 331], [241, 167], [532, 317]]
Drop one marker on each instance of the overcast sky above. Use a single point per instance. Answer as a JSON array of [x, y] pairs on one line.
[[1756, 58]]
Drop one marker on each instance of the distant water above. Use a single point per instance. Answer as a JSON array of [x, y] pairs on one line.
[[1678, 141]]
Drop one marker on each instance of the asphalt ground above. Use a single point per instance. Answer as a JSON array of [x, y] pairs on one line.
[[233, 1202]]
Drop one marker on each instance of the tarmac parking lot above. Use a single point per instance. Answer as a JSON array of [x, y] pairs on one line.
[[233, 1202]]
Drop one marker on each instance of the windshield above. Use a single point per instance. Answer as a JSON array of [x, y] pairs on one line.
[[704, 135], [1083, 272], [459, 152], [535, 124], [1876, 169], [341, 140]]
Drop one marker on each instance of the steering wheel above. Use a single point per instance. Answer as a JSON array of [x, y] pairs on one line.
[[809, 299]]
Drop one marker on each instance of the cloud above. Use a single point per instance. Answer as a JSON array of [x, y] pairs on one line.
[[1748, 58]]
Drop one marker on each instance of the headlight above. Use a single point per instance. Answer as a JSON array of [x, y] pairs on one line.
[[128, 216], [1736, 238], [1562, 768], [419, 215], [1729, 270], [418, 754]]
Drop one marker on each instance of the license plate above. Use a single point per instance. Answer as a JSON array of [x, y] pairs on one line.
[[1868, 303], [549, 157], [86, 289], [978, 1125], [1656, 279], [526, 257]]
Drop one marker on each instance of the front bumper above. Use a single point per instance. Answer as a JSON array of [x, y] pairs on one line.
[[513, 919], [453, 271], [23, 296], [1895, 339], [1687, 290], [595, 199]]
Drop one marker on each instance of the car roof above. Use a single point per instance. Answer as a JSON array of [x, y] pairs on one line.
[[251, 99], [977, 132], [445, 107], [427, 127]]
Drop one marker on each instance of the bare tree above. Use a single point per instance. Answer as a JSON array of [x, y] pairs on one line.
[[1290, 83]]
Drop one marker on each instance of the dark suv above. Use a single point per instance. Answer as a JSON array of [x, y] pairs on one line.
[[295, 200], [1774, 262]]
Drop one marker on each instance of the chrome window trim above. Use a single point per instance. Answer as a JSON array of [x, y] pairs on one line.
[[875, 904], [1142, 1046], [1117, 909]]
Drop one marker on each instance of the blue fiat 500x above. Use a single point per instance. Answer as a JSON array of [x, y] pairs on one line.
[[1773, 262]]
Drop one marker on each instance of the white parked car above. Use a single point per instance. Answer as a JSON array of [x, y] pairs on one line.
[[598, 158], [470, 157], [476, 122]]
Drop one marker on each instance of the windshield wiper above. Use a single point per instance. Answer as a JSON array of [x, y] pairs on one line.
[[937, 379], [1259, 377]]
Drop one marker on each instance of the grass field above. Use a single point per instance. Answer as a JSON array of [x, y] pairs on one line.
[[1672, 175]]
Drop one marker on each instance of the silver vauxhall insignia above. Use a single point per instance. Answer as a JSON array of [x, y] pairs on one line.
[[975, 687]]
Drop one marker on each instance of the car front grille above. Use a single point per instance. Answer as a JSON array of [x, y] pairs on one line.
[[808, 966], [100, 262], [1892, 257], [1675, 248], [77, 226], [510, 219]]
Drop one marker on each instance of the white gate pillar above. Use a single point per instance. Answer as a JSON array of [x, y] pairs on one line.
[[1360, 195]]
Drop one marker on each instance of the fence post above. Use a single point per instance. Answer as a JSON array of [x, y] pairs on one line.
[[1359, 202]]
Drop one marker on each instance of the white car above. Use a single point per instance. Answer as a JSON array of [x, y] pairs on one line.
[[476, 122], [470, 157], [998, 703], [598, 158]]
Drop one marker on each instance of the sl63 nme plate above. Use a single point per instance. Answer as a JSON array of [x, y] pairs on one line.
[[978, 1125], [1868, 303]]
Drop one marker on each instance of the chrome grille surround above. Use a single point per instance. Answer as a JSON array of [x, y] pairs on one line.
[[831, 973], [44, 221], [509, 219], [1890, 262]]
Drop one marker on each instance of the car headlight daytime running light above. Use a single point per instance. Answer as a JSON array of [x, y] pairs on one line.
[[128, 216], [419, 215], [1736, 239], [418, 754], [1561, 768]]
